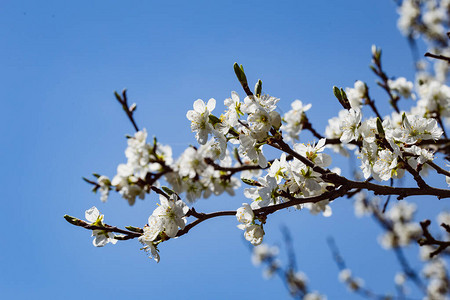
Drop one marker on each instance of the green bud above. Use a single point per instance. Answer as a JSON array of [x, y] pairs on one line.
[[250, 182], [342, 97], [239, 70], [73, 220], [337, 93], [258, 88]]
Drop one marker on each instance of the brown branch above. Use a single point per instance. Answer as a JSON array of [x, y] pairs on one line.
[[336, 179], [107, 228], [129, 110], [378, 70], [438, 169], [441, 57], [430, 240]]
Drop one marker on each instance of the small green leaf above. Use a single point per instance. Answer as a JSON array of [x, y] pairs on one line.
[[213, 119], [167, 190], [380, 128]]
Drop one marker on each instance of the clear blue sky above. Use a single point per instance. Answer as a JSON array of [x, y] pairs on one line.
[[60, 63]]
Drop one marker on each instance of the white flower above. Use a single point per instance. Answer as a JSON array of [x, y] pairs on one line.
[[102, 237], [400, 278], [126, 183], [152, 230], [216, 147], [349, 125], [385, 166], [345, 275], [264, 195], [356, 94], [416, 128], [314, 296], [279, 168], [245, 214], [231, 116], [172, 212], [313, 153], [402, 87], [199, 118], [409, 12], [191, 163], [248, 147], [402, 212], [293, 119], [104, 184], [263, 252], [444, 217], [151, 249], [254, 234], [321, 206], [260, 123]]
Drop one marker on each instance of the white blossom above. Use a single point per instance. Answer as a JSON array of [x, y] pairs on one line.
[[101, 237], [349, 125], [172, 213], [254, 234], [199, 118], [294, 120], [245, 214]]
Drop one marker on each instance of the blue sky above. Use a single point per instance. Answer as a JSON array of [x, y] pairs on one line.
[[61, 62]]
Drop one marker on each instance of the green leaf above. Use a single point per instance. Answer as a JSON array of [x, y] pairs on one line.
[[380, 128], [214, 120], [167, 190]]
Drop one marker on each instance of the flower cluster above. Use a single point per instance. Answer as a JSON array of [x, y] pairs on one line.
[[164, 223]]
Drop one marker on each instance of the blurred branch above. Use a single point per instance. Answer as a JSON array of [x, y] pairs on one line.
[[430, 240]]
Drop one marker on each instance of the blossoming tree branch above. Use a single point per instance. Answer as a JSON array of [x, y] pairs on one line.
[[407, 143]]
